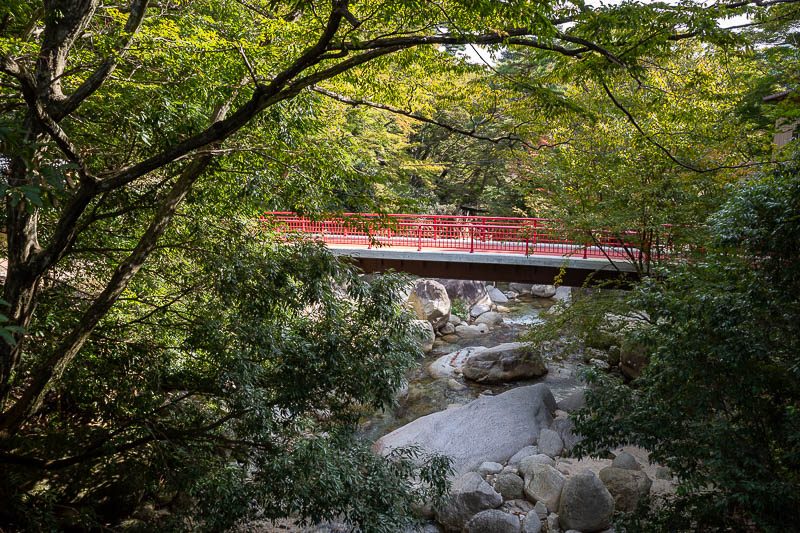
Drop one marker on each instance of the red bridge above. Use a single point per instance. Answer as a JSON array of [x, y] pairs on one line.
[[494, 248]]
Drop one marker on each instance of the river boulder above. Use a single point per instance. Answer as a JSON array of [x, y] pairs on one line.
[[496, 295], [493, 521], [469, 495], [626, 486], [586, 504], [490, 428], [505, 362], [543, 483], [430, 302], [543, 291], [471, 292]]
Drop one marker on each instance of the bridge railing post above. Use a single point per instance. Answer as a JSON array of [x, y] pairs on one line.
[[419, 237], [471, 238]]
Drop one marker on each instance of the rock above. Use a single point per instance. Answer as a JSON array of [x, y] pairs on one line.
[[509, 486], [447, 366], [478, 309], [496, 296], [490, 318], [526, 465], [469, 495], [552, 523], [520, 288], [494, 521], [662, 472], [504, 362], [447, 329], [586, 504], [627, 486], [544, 485], [566, 430], [633, 357], [531, 524], [430, 302], [472, 292], [599, 363], [450, 338], [455, 386], [543, 291], [424, 334], [625, 461], [490, 428], [503, 309], [465, 331], [573, 402], [511, 295], [541, 510], [489, 467], [517, 507], [522, 454], [454, 320], [550, 443]]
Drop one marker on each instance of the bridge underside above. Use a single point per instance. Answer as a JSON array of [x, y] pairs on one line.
[[489, 266]]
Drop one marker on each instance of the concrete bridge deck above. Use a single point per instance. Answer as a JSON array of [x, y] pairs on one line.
[[486, 265]]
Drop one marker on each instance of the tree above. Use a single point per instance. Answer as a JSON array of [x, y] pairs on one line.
[[718, 403], [153, 330]]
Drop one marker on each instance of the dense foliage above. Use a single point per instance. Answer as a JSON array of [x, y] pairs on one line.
[[719, 402]]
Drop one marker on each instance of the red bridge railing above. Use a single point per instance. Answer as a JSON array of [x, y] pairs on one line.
[[511, 235]]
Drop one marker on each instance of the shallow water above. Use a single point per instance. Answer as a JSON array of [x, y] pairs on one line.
[[427, 395]]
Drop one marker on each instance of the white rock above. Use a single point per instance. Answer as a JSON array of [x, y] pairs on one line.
[[496, 295], [466, 331]]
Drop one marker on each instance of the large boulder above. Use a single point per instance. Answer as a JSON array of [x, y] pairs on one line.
[[452, 364], [471, 292], [586, 504], [496, 295], [430, 302], [469, 495], [543, 483], [493, 521], [504, 362], [424, 334], [490, 428], [543, 291], [626, 486]]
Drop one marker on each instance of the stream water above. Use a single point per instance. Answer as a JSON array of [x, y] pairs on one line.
[[427, 395]]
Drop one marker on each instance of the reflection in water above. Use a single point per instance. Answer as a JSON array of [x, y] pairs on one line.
[[427, 395]]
